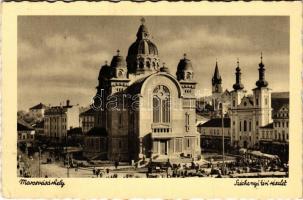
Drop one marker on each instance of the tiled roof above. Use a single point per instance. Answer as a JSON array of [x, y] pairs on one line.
[[270, 125], [23, 126], [38, 106], [277, 103], [216, 122], [90, 111], [283, 95], [135, 88], [57, 110]]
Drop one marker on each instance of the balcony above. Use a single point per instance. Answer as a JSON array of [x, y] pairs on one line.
[[162, 130]]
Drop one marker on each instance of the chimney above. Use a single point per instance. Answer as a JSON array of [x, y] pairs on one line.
[[67, 102]]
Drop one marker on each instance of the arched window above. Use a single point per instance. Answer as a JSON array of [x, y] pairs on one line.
[[148, 64], [188, 75], [141, 64], [161, 104], [245, 126], [240, 126]]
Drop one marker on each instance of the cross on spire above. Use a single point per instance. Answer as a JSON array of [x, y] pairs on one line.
[[238, 62], [184, 55], [261, 57], [142, 20], [118, 52]]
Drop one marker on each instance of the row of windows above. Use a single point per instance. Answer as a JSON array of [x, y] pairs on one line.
[[148, 64], [119, 89], [217, 132], [282, 114], [278, 136], [281, 124], [55, 119], [88, 119], [161, 130], [187, 91]]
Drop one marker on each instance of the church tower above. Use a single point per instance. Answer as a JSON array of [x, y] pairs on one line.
[[236, 97], [216, 81], [142, 57], [185, 75], [216, 90], [262, 98], [119, 80], [238, 92]]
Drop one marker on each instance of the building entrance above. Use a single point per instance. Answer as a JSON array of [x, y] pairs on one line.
[[163, 147]]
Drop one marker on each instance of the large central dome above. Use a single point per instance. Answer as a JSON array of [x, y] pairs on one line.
[[143, 53]]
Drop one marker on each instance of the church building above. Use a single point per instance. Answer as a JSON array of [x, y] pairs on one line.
[[146, 111], [248, 113]]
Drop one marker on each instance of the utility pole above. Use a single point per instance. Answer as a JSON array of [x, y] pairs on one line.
[[39, 162], [223, 151]]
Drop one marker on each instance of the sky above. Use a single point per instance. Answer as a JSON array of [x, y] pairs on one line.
[[59, 57]]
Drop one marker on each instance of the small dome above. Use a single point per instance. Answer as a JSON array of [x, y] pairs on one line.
[[105, 72], [185, 64], [118, 61], [164, 69], [143, 47]]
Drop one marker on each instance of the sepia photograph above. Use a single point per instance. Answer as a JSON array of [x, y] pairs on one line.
[[153, 96]]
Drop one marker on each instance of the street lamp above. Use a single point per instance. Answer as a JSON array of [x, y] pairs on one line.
[[39, 162], [223, 144]]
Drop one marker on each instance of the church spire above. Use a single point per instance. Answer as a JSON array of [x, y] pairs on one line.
[[216, 80], [238, 85], [261, 82]]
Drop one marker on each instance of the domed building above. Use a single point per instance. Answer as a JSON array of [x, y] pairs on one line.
[[146, 111]]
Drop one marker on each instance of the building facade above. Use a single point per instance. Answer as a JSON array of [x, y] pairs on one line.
[[95, 144], [212, 133], [146, 110], [59, 119], [87, 120]]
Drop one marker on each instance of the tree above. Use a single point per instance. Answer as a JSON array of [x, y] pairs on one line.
[[29, 117]]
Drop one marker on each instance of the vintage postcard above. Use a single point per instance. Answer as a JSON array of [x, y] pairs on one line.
[[152, 100]]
